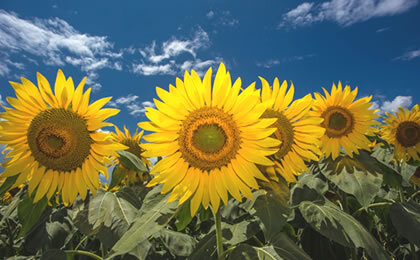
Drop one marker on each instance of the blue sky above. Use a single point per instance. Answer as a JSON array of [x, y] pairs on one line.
[[127, 49]]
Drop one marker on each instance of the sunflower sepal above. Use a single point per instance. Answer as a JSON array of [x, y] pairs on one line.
[[131, 161]]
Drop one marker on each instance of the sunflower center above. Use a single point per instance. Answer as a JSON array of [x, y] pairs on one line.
[[209, 138], [408, 133], [133, 146], [338, 122], [284, 131], [59, 139]]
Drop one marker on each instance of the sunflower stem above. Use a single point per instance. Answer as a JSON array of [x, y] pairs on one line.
[[218, 223], [81, 252]]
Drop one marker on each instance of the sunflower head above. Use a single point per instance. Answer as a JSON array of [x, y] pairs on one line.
[[403, 131], [296, 128], [53, 138], [134, 147], [346, 122], [211, 137]]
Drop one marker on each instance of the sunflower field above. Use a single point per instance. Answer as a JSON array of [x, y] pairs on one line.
[[242, 172]]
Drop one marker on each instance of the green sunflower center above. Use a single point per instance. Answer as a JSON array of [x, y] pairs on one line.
[[284, 132], [209, 138], [59, 139], [408, 133], [338, 121]]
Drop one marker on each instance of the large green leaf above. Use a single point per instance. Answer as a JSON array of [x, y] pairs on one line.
[[29, 213], [108, 215], [154, 214], [178, 243], [329, 220], [358, 176], [406, 219], [231, 235], [118, 174], [312, 180], [271, 207], [183, 217], [287, 249], [131, 161]]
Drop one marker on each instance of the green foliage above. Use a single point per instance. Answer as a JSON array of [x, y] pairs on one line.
[[131, 161], [406, 219], [5, 186]]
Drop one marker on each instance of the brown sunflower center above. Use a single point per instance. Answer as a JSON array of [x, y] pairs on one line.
[[209, 138], [133, 146], [59, 139], [408, 133], [338, 121], [284, 132]]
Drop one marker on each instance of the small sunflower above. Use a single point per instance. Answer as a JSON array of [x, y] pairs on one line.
[[210, 137], [53, 138], [346, 122], [298, 131], [134, 147], [403, 131]]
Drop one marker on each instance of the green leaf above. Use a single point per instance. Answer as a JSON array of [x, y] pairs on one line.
[[329, 220], [118, 175], [5, 186], [358, 176], [108, 215], [313, 181], [29, 213], [407, 171], [178, 243], [320, 247], [231, 235], [155, 213], [131, 161], [248, 252], [406, 219], [287, 249], [183, 217], [54, 254], [271, 207]]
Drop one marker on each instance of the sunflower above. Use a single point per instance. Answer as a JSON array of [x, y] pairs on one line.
[[134, 147], [346, 122], [53, 138], [298, 131], [403, 131], [211, 137]]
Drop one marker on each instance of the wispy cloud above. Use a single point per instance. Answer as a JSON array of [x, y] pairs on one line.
[[224, 18], [274, 62], [409, 55], [381, 30], [130, 103], [174, 55], [344, 12], [385, 105], [56, 43], [1, 101]]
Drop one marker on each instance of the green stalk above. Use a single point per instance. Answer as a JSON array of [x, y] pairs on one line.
[[86, 253], [218, 223]]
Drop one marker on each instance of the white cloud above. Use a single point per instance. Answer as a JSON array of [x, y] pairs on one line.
[[344, 12], [389, 106], [210, 14], [130, 102], [1, 101], [409, 55], [269, 63], [56, 42], [381, 30], [170, 58]]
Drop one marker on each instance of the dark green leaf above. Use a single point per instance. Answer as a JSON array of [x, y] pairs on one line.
[[406, 219], [183, 217], [54, 254], [178, 243], [131, 161], [5, 186], [155, 213], [287, 249], [358, 176], [271, 207], [118, 175], [313, 181], [29, 213], [332, 222], [248, 252]]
